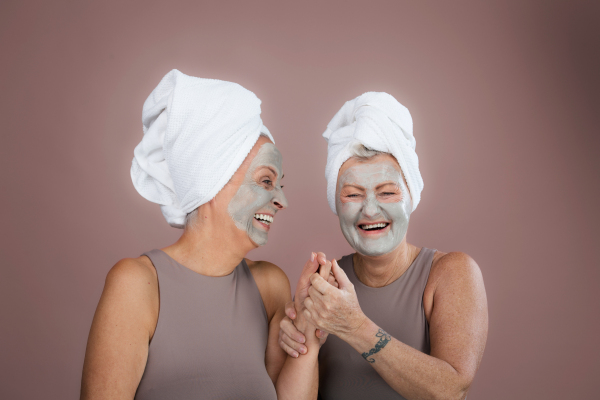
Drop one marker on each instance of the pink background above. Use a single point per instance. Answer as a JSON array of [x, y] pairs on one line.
[[504, 96]]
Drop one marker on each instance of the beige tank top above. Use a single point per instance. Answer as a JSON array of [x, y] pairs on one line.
[[210, 339], [396, 308]]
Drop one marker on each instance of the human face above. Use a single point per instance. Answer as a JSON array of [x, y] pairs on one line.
[[260, 195], [373, 204]]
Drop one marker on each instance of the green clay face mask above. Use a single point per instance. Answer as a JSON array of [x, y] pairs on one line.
[[373, 215], [252, 207]]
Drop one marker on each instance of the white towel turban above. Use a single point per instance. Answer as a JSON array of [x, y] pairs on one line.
[[380, 123], [197, 133]]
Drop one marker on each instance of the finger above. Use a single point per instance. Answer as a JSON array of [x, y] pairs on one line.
[[320, 284], [288, 328], [314, 294], [321, 259], [310, 267], [325, 270], [288, 349], [331, 280], [308, 316], [290, 310], [309, 304], [288, 341], [323, 336], [340, 276]]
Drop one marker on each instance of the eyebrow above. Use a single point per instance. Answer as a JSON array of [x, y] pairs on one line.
[[354, 186], [269, 168], [385, 184]]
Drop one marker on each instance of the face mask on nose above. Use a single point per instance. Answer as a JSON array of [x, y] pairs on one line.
[[373, 221], [253, 201]]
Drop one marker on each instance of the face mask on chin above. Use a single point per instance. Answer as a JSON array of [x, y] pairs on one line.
[[374, 206], [252, 208]]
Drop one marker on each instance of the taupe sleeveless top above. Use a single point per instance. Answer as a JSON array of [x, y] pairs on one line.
[[210, 339], [396, 308]]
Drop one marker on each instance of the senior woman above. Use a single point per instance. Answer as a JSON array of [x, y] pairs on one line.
[[406, 322], [196, 320]]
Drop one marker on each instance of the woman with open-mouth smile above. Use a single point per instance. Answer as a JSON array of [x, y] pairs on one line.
[[405, 322], [196, 319]]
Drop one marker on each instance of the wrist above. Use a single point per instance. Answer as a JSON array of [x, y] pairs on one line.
[[362, 336]]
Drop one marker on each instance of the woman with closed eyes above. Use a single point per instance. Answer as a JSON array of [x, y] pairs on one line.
[[406, 322]]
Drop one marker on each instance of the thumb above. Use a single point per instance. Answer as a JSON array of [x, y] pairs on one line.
[[340, 276], [290, 310]]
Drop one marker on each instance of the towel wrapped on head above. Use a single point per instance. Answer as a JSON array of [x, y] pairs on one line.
[[379, 122], [197, 133]]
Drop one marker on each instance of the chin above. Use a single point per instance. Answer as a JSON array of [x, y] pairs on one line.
[[374, 249], [371, 253], [258, 241]]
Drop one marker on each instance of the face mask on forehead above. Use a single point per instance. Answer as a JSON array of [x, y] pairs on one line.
[[252, 208], [374, 219]]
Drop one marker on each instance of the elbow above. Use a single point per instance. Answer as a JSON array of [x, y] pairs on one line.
[[455, 390], [449, 394]]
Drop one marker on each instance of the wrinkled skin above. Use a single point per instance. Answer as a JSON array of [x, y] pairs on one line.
[[258, 194], [370, 193]]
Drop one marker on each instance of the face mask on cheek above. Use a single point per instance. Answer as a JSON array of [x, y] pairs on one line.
[[370, 210], [252, 197]]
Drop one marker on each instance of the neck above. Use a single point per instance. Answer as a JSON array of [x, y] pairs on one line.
[[379, 271], [208, 249]]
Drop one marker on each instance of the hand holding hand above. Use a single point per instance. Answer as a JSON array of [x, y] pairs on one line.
[[333, 310], [291, 338]]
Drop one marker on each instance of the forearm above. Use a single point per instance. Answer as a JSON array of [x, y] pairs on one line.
[[299, 377], [413, 374]]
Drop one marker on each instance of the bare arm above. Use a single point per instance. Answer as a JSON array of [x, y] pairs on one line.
[[274, 289], [123, 324], [299, 378], [458, 331]]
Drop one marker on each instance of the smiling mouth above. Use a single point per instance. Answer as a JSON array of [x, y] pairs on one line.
[[264, 218], [374, 227]]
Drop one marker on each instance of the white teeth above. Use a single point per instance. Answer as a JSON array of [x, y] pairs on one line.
[[267, 219], [374, 226]]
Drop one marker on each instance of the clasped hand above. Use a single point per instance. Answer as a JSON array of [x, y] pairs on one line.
[[325, 300]]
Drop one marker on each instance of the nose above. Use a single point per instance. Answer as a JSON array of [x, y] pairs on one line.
[[279, 199], [370, 208]]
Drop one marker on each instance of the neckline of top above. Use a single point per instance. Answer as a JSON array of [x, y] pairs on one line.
[[399, 279], [229, 275]]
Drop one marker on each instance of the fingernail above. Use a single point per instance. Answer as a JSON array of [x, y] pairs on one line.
[[301, 340], [295, 355], [303, 350], [312, 256]]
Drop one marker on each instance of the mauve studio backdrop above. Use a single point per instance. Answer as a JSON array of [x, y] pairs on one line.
[[504, 97]]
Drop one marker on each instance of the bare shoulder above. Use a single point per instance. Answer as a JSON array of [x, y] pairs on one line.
[[132, 272], [267, 272], [453, 274], [273, 284], [132, 284], [129, 303], [455, 265]]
